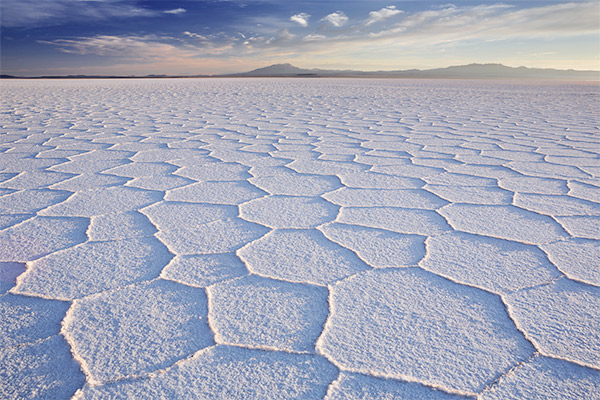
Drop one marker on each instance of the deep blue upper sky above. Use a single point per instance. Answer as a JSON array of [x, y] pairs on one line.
[[196, 37]]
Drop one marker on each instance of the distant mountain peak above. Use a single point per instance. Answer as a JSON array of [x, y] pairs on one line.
[[285, 69]]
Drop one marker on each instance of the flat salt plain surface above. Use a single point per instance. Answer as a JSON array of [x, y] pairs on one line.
[[299, 238]]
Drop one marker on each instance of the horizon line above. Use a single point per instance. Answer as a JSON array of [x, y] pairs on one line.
[[314, 72]]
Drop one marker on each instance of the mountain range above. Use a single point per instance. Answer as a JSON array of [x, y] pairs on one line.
[[478, 71], [471, 71]]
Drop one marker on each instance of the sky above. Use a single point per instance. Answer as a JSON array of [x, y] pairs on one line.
[[141, 37]]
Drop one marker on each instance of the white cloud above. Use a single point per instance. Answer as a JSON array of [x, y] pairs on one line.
[[467, 27], [145, 49], [176, 11], [148, 47], [195, 35], [494, 22], [336, 19], [282, 36], [28, 13], [301, 19], [314, 37], [384, 13]]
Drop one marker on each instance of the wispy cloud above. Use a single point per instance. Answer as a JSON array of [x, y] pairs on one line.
[[148, 48], [176, 11], [451, 24], [281, 38], [29, 13], [336, 19], [140, 48], [383, 45], [195, 35], [380, 15], [545, 53], [301, 19], [494, 22], [314, 36], [468, 27]]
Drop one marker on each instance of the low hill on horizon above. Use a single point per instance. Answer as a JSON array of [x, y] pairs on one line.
[[481, 71]]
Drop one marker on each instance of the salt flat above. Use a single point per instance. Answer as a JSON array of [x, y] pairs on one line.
[[299, 238]]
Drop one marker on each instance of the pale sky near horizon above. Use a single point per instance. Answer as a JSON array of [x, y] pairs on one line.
[[140, 37]]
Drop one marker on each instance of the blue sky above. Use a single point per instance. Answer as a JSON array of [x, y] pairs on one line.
[[212, 37]]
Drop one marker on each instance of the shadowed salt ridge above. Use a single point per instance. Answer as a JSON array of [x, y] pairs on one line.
[[307, 239]]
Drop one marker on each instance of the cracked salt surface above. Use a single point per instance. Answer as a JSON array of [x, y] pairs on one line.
[[330, 238]]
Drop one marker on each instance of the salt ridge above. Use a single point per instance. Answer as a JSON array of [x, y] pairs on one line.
[[330, 238]]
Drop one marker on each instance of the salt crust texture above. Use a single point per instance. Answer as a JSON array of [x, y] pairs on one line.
[[271, 239]]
